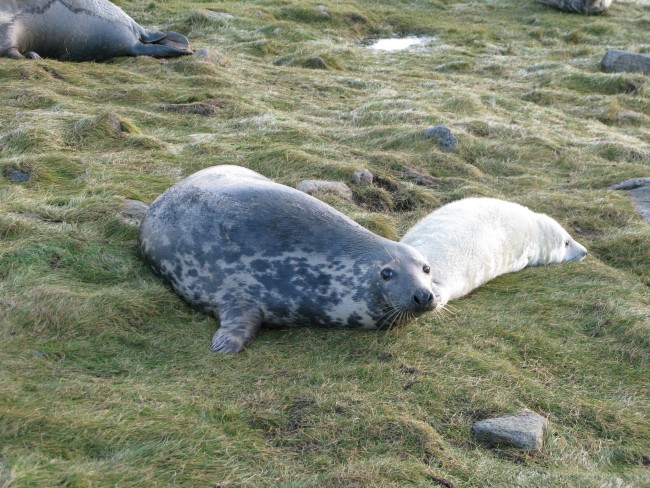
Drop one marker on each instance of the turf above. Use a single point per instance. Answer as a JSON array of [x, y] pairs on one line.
[[107, 378]]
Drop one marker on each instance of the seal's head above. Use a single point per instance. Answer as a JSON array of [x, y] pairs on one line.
[[404, 284], [556, 245]]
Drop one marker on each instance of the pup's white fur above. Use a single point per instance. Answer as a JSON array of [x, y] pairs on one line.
[[471, 241]]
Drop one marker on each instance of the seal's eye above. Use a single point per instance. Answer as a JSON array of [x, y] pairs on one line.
[[567, 243], [426, 269], [387, 274]]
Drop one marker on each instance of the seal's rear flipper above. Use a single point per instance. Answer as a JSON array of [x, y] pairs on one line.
[[238, 328], [159, 51], [175, 39], [171, 39]]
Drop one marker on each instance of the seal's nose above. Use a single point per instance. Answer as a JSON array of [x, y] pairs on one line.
[[423, 299]]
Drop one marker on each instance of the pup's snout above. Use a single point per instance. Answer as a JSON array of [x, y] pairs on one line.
[[423, 299]]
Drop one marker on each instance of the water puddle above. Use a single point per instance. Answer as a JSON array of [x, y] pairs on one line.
[[397, 44]]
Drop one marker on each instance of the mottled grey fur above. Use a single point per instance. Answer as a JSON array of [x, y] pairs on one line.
[[253, 252], [589, 7], [79, 30]]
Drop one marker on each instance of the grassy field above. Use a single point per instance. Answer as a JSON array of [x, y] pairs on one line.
[[106, 376]]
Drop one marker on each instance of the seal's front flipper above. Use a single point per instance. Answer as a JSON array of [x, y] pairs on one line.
[[13, 53], [238, 328]]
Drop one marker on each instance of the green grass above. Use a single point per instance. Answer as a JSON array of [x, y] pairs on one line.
[[107, 378]]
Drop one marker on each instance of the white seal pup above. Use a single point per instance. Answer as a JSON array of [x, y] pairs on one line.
[[250, 252], [471, 241], [79, 30]]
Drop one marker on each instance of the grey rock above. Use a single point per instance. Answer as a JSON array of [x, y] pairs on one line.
[[630, 184], [420, 178], [619, 61], [333, 187], [524, 431], [589, 7], [316, 63], [276, 31], [322, 11], [362, 177], [113, 123], [132, 211], [444, 137], [12, 174], [202, 53], [217, 15], [625, 115]]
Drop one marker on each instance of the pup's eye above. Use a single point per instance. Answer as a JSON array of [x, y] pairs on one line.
[[426, 269], [567, 243], [387, 274]]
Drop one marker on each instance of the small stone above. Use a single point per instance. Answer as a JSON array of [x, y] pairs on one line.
[[217, 15], [316, 63], [420, 178], [322, 11], [624, 115], [211, 55], [133, 211], [333, 187], [524, 431], [112, 122], [362, 177], [276, 31], [444, 137], [618, 61], [12, 174], [201, 53]]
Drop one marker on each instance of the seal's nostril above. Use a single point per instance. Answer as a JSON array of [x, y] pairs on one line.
[[423, 298]]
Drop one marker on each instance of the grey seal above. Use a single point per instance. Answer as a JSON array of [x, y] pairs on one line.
[[589, 7], [79, 30], [250, 252], [471, 241]]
